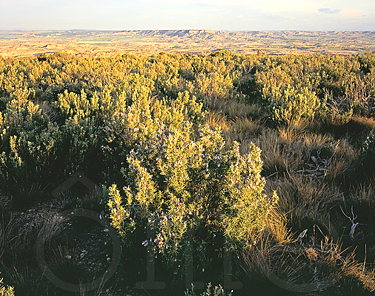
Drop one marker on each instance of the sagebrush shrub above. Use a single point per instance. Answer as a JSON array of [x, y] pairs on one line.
[[30, 146], [140, 121], [190, 191], [295, 105]]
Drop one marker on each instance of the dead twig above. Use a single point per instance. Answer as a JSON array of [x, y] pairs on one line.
[[352, 220]]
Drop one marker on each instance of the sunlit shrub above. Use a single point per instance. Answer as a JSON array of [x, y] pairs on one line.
[[139, 122], [190, 192], [30, 147], [294, 105]]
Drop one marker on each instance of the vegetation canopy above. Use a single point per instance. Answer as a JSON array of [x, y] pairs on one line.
[[267, 158]]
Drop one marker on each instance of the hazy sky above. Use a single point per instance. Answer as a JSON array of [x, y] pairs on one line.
[[241, 15]]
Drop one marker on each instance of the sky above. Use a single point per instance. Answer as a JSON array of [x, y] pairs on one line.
[[238, 15]]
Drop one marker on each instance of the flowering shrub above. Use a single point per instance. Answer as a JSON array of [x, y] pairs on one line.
[[185, 188], [139, 123]]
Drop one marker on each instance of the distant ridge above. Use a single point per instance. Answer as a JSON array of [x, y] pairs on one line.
[[23, 43]]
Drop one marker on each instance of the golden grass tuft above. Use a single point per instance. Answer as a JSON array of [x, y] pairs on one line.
[[276, 225], [280, 155], [245, 126], [217, 120], [368, 122], [234, 109], [300, 195]]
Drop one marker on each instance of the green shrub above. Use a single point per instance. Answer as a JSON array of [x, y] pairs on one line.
[[30, 147], [80, 139], [187, 189], [294, 105], [36, 152], [139, 122]]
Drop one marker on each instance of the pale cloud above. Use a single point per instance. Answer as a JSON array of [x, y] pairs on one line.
[[329, 10]]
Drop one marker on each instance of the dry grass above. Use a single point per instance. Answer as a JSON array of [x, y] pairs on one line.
[[276, 226], [307, 265], [245, 127], [279, 155], [23, 197], [217, 120], [293, 131], [234, 109], [306, 201], [364, 121], [17, 253], [7, 235], [293, 150]]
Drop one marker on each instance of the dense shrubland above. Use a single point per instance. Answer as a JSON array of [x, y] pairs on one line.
[[194, 147]]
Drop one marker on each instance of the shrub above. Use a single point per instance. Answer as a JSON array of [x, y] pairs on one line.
[[294, 105], [30, 146], [139, 123], [187, 188], [36, 151], [80, 145]]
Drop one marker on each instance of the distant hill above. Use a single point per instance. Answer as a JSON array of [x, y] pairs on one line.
[[24, 43]]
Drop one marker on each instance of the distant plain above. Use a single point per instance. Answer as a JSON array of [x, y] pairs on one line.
[[28, 43]]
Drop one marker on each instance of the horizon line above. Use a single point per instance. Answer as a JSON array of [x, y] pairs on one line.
[[125, 30]]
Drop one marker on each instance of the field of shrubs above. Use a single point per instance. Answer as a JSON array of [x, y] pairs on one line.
[[215, 174]]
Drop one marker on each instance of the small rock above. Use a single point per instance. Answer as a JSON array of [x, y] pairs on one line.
[[68, 257]]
